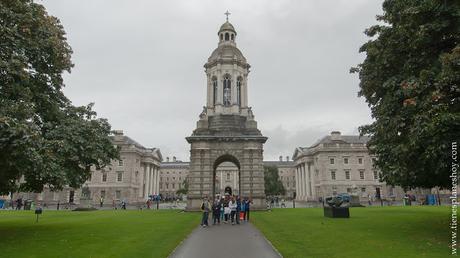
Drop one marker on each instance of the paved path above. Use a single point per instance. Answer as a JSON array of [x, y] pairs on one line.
[[225, 241]]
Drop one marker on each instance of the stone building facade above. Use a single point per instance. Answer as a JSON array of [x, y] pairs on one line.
[[133, 178], [286, 173], [338, 164]]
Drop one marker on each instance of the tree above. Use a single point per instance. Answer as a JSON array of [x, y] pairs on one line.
[[410, 79], [183, 190], [44, 139], [273, 185]]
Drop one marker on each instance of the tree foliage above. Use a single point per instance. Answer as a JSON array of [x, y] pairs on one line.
[[410, 79], [273, 185], [184, 189], [44, 139]]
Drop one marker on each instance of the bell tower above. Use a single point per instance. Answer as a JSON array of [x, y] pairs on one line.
[[226, 130]]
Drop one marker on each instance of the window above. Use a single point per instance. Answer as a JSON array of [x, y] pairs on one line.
[[161, 185], [214, 89], [360, 160], [361, 174], [118, 194], [233, 37], [104, 177], [345, 160], [227, 90], [347, 174], [174, 178], [167, 186], [348, 190], [103, 194], [331, 161], [376, 175], [228, 176], [287, 184], [226, 36], [333, 175], [238, 91], [363, 189], [167, 179], [120, 162], [90, 176], [119, 176], [173, 186]]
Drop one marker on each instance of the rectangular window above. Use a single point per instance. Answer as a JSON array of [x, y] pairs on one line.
[[333, 175], [331, 161], [348, 190], [228, 176], [173, 186], [120, 176], [167, 186], [361, 174], [363, 189], [360, 160], [120, 162], [345, 160], [118, 194], [287, 184], [104, 177], [103, 194], [347, 174], [376, 175]]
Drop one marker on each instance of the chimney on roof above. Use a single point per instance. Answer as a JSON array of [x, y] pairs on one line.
[[335, 135], [167, 159], [118, 132], [287, 158], [281, 158], [174, 158]]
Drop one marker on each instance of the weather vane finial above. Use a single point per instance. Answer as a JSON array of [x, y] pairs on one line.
[[227, 13]]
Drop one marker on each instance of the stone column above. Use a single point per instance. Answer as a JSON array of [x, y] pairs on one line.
[[146, 181], [157, 185], [297, 180], [302, 172], [141, 183]]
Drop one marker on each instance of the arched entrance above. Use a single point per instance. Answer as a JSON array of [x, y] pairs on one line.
[[226, 175]]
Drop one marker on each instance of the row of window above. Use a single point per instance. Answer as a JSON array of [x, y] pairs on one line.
[[166, 186], [345, 160], [104, 176], [167, 178], [349, 190], [348, 177], [117, 194]]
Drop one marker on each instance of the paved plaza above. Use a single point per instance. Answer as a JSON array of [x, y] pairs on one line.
[[225, 241]]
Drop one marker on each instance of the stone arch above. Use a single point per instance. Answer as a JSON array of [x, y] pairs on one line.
[[218, 161]]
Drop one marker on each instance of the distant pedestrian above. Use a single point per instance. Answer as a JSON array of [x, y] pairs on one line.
[[238, 209], [247, 206], [123, 204], [232, 206], [58, 204], [114, 204], [148, 204], [101, 201], [206, 208], [216, 207]]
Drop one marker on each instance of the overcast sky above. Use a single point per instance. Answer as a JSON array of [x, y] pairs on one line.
[[141, 62]]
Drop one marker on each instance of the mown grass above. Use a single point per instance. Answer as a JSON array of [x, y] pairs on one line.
[[369, 232], [121, 233]]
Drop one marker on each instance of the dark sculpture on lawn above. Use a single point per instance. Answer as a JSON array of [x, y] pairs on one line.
[[334, 209], [334, 201]]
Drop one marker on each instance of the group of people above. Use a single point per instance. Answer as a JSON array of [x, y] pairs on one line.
[[226, 209]]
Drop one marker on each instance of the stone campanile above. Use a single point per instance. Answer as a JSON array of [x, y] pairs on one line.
[[226, 130]]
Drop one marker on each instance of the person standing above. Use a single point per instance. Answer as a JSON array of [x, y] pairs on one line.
[[216, 207], [102, 201], [205, 207], [232, 206], [247, 205], [238, 209]]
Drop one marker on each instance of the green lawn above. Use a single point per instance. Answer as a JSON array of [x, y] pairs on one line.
[[98, 234], [370, 232]]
